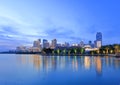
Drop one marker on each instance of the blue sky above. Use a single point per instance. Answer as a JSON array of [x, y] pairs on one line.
[[23, 21]]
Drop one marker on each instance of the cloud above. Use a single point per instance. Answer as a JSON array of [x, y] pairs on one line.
[[64, 35], [10, 38]]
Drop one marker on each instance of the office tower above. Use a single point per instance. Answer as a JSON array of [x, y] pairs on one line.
[[98, 39], [37, 44], [81, 44], [98, 44], [99, 36], [54, 43], [39, 40], [45, 43]]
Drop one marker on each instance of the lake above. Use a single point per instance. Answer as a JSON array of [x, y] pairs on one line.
[[25, 69]]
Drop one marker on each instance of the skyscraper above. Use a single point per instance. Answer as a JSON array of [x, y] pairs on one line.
[[98, 39], [37, 44], [81, 44], [54, 43], [99, 36], [98, 44], [39, 40], [45, 43]]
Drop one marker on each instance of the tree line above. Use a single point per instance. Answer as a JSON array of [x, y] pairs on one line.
[[106, 49]]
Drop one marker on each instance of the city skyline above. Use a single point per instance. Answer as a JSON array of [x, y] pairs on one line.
[[22, 22], [39, 45]]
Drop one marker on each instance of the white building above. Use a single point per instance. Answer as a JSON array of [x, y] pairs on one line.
[[34, 49], [37, 44], [89, 48], [75, 44], [98, 44]]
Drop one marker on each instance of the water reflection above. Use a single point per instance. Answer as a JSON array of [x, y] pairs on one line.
[[87, 62], [74, 63], [98, 65]]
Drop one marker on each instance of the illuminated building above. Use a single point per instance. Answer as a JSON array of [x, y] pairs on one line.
[[75, 45], [54, 44], [98, 44], [87, 46], [37, 45], [35, 49]]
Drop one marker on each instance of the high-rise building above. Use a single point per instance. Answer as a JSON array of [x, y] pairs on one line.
[[54, 43], [81, 44], [98, 44], [99, 36], [37, 44], [98, 39], [45, 43], [39, 40]]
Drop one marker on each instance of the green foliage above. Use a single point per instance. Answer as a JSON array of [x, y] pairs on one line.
[[106, 49], [47, 50], [109, 49]]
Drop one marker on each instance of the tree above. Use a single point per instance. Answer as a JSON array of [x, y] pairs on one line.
[[75, 50], [82, 50], [58, 51], [53, 52], [47, 50], [98, 51], [116, 48], [69, 51], [111, 51], [64, 51], [106, 48]]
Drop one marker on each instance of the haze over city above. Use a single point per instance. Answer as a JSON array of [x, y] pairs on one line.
[[23, 21]]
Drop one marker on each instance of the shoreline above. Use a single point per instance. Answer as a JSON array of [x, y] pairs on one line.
[[112, 55]]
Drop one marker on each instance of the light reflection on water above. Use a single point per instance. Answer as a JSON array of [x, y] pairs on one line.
[[59, 70], [49, 63]]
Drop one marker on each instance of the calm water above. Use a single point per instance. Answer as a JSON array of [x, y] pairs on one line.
[[58, 70]]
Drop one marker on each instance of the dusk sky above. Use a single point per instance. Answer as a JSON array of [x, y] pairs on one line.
[[23, 21]]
